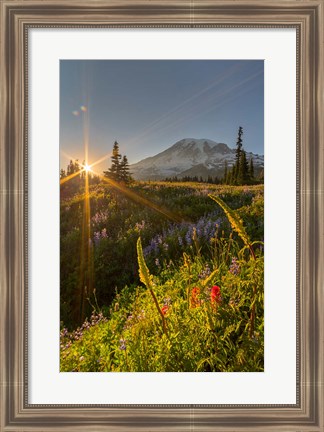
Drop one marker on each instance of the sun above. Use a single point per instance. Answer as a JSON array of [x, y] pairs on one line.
[[87, 168]]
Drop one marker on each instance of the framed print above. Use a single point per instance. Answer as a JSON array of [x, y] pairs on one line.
[[133, 221], [161, 215]]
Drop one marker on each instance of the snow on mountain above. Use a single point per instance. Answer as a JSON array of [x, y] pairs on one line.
[[190, 157]]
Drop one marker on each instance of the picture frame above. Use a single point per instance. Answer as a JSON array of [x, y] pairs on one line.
[[17, 17]]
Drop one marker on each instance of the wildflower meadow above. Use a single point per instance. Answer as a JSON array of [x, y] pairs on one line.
[[166, 277]]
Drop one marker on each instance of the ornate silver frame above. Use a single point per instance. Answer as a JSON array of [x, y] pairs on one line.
[[17, 17]]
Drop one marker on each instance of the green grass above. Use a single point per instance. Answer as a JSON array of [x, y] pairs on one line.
[[201, 312]]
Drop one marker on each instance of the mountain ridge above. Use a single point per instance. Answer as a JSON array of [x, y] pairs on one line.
[[190, 157]]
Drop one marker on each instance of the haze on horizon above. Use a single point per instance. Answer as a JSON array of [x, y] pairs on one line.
[[148, 105]]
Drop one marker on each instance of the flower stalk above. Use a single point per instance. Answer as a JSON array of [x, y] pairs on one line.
[[147, 279], [237, 225]]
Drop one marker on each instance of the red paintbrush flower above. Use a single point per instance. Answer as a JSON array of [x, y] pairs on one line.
[[215, 294], [164, 309], [194, 300]]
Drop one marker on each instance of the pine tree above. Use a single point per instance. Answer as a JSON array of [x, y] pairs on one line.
[[230, 176], [119, 169], [238, 154], [114, 170], [73, 168], [243, 171], [261, 176], [124, 170], [251, 170], [70, 168], [77, 170], [225, 180], [239, 144], [72, 172], [83, 174]]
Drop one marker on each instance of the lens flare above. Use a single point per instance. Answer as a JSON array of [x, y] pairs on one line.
[[83, 108]]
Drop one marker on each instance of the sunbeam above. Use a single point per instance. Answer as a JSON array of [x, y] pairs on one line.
[[126, 191], [71, 176], [141, 200]]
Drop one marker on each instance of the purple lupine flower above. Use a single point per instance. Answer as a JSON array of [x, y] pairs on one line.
[[122, 344], [188, 236], [96, 237], [139, 226], [205, 273], [234, 267], [99, 218]]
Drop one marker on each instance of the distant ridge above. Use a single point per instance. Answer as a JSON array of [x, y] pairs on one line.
[[190, 157]]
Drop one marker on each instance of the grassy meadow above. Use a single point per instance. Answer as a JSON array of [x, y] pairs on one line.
[[161, 277]]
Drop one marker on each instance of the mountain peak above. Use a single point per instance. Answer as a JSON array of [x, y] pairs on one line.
[[198, 142], [186, 155]]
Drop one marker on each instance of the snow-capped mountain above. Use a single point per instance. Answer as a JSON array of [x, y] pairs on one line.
[[190, 157]]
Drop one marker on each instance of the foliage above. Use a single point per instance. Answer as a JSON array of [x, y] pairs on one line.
[[235, 221], [209, 299], [242, 172], [114, 170], [116, 222], [119, 169], [72, 179]]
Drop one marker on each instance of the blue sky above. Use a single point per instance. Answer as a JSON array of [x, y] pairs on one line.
[[148, 105]]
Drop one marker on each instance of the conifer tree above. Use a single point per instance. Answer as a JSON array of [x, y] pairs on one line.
[[73, 168], [251, 170], [119, 169], [114, 170], [124, 170], [238, 154], [261, 176], [70, 168], [243, 171], [229, 178], [225, 173], [83, 174]]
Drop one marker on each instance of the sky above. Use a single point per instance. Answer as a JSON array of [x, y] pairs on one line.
[[149, 105]]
